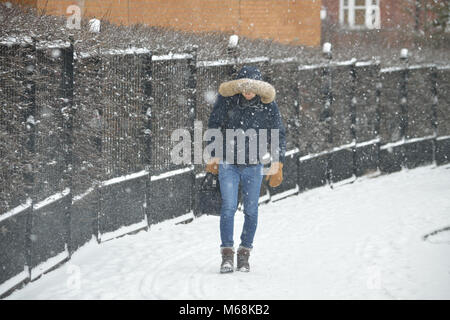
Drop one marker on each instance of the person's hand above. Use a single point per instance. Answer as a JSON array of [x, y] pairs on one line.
[[275, 174], [213, 165]]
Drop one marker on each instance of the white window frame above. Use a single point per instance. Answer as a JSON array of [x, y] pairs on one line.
[[372, 16]]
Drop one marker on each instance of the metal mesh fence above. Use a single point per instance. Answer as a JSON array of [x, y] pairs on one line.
[[284, 76], [209, 79], [49, 142], [112, 99], [390, 109], [420, 102], [87, 160], [366, 103], [314, 128], [122, 118], [341, 106], [443, 106], [15, 158], [170, 108]]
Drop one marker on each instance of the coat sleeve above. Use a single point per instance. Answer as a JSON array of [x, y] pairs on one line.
[[217, 117], [277, 123]]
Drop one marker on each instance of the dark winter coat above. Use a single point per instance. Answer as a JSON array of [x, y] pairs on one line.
[[232, 111]]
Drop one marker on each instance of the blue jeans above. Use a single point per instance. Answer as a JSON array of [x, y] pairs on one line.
[[250, 177]]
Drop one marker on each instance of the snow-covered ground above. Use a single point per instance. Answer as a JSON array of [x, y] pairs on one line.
[[359, 241]]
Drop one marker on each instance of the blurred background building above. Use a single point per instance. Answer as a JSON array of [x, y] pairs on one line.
[[387, 23]]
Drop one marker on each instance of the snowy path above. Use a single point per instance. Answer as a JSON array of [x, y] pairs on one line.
[[361, 240]]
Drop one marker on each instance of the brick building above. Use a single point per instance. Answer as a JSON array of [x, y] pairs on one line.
[[286, 21]]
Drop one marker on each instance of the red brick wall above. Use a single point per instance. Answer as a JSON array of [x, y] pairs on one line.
[[286, 21]]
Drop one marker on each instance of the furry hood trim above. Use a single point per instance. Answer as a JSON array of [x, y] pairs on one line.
[[249, 79], [261, 88]]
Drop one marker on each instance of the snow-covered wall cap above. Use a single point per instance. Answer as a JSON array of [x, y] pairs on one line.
[[404, 53], [323, 13], [94, 25], [326, 47], [233, 42]]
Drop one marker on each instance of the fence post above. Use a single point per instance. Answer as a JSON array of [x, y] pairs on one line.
[[328, 101], [30, 144], [379, 87], [353, 103], [147, 110], [192, 102], [434, 108], [404, 97], [67, 112]]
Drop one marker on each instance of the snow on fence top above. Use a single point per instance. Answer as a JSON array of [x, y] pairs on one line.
[[132, 50], [171, 173], [367, 63], [172, 56], [422, 66], [325, 64], [443, 67], [231, 61], [284, 60], [406, 141], [221, 62], [334, 149], [16, 210], [344, 63], [9, 41], [26, 40], [393, 69], [52, 44], [125, 178], [51, 199], [412, 67], [311, 66]]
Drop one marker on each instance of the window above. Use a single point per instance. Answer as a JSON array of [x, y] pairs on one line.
[[360, 14]]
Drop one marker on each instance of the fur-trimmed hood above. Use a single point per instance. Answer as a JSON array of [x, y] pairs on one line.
[[249, 79]]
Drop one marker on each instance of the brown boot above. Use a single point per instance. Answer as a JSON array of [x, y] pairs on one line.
[[227, 260], [242, 259]]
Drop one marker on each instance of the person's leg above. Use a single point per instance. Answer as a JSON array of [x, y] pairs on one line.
[[229, 184], [251, 178]]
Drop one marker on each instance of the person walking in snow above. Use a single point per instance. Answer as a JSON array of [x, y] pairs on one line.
[[246, 103]]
